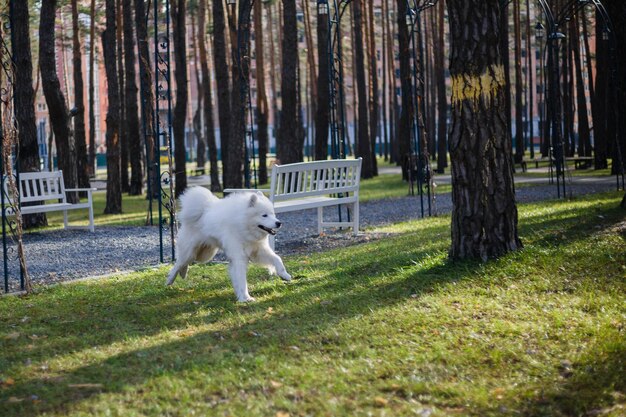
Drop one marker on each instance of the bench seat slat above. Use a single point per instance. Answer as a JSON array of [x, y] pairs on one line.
[[313, 202]]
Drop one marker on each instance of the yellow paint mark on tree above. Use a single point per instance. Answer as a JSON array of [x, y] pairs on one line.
[[474, 87]]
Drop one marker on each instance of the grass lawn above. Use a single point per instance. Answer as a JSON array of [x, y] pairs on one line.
[[384, 328]]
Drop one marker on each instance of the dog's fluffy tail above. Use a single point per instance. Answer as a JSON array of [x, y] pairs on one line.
[[193, 203]]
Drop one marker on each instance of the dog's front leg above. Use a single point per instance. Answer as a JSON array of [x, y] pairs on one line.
[[274, 262], [238, 269]]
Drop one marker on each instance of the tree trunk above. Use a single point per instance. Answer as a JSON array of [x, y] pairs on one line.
[[57, 107], [147, 96], [600, 105], [323, 94], [92, 89], [262, 116], [289, 145], [442, 101], [114, 185], [132, 111], [233, 171], [484, 215], [617, 10], [519, 86], [374, 91], [407, 111], [209, 124], [584, 134], [222, 79], [273, 71], [25, 102], [364, 148], [121, 76], [504, 46], [82, 168], [178, 12]]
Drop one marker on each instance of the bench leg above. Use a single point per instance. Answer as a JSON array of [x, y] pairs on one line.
[[65, 219], [320, 215], [355, 218], [91, 225]]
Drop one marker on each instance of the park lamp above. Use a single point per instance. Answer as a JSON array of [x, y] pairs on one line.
[[605, 34], [322, 7], [540, 30]]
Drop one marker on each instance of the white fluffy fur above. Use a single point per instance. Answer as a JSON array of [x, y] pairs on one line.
[[231, 224]]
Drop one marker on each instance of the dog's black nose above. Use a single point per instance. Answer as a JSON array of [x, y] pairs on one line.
[[278, 224]]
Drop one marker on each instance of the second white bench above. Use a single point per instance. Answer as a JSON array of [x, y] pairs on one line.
[[315, 185]]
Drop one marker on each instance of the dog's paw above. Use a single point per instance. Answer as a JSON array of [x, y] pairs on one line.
[[247, 299], [170, 280], [285, 276]]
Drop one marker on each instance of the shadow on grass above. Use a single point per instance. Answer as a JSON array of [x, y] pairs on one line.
[[595, 380], [352, 283]]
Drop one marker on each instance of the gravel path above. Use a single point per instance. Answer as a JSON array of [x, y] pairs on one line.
[[64, 255]]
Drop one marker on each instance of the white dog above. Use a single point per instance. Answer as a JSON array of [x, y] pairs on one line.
[[239, 224]]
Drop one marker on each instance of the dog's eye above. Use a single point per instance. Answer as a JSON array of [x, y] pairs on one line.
[[265, 215]]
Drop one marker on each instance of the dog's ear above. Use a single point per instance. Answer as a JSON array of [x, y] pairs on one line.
[[253, 198]]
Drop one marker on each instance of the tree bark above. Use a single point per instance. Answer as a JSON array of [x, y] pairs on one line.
[[484, 215], [209, 123], [617, 11], [147, 97], [407, 110], [233, 171], [262, 115], [289, 145], [323, 94], [519, 85], [584, 133], [178, 11], [222, 80], [442, 101], [57, 107], [80, 138], [364, 148], [92, 89], [114, 185], [25, 102], [121, 76], [374, 110], [132, 111]]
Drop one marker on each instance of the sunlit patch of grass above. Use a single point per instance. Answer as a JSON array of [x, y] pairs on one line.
[[390, 327]]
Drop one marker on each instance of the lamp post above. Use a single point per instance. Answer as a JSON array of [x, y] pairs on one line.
[[418, 128]]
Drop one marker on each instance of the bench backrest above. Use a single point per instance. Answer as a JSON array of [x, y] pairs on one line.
[[308, 179], [39, 186]]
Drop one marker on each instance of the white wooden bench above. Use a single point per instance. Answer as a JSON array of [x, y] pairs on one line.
[[49, 189], [316, 184]]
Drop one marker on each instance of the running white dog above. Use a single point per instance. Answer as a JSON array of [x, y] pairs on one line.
[[239, 224]]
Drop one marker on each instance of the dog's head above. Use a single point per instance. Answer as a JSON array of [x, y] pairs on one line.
[[262, 213]]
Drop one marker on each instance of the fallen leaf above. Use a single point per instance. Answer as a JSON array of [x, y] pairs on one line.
[[380, 402], [275, 384], [12, 336], [282, 414], [7, 382], [15, 400]]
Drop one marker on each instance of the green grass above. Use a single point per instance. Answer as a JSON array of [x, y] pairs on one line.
[[390, 328]]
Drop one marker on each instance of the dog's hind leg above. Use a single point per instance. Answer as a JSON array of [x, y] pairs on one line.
[[180, 266]]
